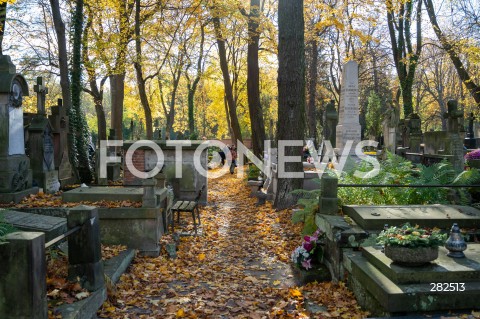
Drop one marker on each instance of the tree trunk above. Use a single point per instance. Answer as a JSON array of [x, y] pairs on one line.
[[139, 73], [312, 90], [95, 92], [222, 53], [192, 88], [404, 56], [291, 93], [81, 131], [3, 18], [65, 80], [472, 87], [253, 80], [117, 91]]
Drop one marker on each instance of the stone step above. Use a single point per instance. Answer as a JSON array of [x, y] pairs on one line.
[[442, 216], [51, 226], [443, 269], [369, 283]]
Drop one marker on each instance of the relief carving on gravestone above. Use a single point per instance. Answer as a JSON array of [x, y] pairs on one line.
[[48, 154], [20, 178], [16, 135]]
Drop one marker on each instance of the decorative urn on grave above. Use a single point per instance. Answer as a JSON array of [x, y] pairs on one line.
[[455, 243]]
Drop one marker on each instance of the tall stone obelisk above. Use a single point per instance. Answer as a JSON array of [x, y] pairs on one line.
[[348, 127]]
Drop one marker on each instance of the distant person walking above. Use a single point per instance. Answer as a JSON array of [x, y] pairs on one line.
[[233, 154]]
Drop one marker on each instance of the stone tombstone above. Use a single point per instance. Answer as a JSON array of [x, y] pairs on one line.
[[348, 128], [453, 117], [15, 172], [414, 129], [42, 146], [390, 124], [330, 123], [163, 133], [454, 142], [60, 130], [470, 141]]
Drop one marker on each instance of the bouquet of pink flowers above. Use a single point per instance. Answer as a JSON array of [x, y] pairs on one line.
[[310, 252]]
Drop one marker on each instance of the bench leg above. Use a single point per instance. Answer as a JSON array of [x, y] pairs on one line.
[[198, 215], [172, 221], [194, 222]]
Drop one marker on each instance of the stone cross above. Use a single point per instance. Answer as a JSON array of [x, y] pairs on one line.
[[41, 91], [452, 116]]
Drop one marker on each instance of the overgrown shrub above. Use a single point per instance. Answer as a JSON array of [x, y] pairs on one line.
[[5, 228], [393, 170]]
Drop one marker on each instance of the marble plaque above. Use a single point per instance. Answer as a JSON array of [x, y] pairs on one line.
[[16, 139]]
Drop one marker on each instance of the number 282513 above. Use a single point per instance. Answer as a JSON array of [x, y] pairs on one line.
[[445, 287]]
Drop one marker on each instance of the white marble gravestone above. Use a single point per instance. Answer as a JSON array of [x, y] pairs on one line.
[[348, 127]]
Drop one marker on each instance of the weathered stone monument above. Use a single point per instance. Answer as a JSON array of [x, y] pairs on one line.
[[330, 123], [455, 134], [470, 141], [348, 128], [42, 146], [446, 144], [15, 172], [415, 136], [390, 123], [60, 124]]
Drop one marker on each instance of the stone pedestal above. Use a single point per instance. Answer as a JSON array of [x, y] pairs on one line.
[[84, 249], [388, 290], [328, 203], [23, 286]]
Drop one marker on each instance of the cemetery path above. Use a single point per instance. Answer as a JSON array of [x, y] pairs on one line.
[[238, 268]]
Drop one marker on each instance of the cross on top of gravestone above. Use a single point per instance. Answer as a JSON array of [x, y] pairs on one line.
[[452, 116], [41, 91]]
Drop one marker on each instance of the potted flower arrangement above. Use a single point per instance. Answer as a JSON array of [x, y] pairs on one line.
[[472, 159], [411, 245], [310, 252], [308, 258]]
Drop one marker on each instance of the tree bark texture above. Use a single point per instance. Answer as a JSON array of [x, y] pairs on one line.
[[291, 92], [253, 80]]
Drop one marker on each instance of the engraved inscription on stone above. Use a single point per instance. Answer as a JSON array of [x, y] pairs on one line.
[[48, 151]]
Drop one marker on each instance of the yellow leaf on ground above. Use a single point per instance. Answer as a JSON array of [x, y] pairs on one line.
[[180, 313], [295, 292], [276, 282], [201, 257]]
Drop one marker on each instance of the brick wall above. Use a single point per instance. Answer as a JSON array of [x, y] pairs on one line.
[[138, 160]]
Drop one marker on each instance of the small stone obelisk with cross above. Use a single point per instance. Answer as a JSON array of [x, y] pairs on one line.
[[42, 145]]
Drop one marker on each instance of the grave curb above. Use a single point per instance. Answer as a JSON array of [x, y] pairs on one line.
[[88, 307]]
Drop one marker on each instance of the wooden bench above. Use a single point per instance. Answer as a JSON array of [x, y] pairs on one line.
[[187, 207]]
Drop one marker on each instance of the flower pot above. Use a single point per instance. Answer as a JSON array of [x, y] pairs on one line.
[[318, 273], [407, 256], [474, 163]]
